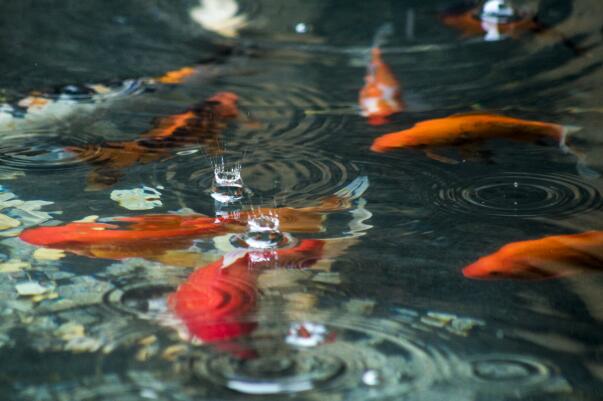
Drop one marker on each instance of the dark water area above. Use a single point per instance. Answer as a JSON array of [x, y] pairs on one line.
[[332, 272]]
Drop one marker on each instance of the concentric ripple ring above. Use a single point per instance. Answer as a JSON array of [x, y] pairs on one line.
[[521, 195]]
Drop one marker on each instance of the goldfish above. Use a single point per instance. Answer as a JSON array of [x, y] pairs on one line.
[[202, 124], [495, 20], [176, 76], [380, 97], [462, 128], [216, 301], [548, 257], [466, 128], [158, 236]]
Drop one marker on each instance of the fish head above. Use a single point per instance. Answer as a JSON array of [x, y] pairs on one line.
[[227, 103], [498, 266], [396, 140], [490, 267]]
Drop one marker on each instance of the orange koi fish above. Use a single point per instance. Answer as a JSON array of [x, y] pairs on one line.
[[467, 128], [161, 238], [462, 128], [155, 235], [548, 257], [176, 76], [380, 97], [216, 300], [202, 124], [495, 20]]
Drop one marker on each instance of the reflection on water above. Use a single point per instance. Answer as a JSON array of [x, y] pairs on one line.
[[283, 258]]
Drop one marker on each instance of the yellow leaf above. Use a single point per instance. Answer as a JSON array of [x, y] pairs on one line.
[[7, 222], [48, 254]]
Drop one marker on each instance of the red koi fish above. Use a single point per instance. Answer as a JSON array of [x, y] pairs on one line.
[[548, 257], [161, 238], [153, 236], [216, 300], [495, 20], [202, 124], [380, 97]]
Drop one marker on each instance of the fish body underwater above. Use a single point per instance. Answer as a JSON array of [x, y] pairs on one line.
[[202, 124], [216, 301], [380, 97], [151, 236], [466, 128], [547, 257]]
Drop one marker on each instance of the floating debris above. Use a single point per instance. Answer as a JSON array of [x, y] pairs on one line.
[[143, 198], [219, 16], [14, 266], [31, 288], [83, 344], [88, 219], [172, 352], [437, 319], [70, 330], [48, 254], [327, 278], [360, 306], [7, 222], [18, 214]]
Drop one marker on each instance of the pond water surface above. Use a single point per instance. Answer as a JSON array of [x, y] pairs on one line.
[[326, 271]]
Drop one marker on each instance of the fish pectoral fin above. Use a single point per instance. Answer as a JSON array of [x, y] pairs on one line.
[[475, 153], [437, 157]]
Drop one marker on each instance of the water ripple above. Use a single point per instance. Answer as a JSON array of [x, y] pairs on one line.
[[520, 195], [41, 151], [276, 174], [285, 115]]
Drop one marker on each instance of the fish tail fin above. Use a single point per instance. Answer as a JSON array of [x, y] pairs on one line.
[[382, 33], [581, 166]]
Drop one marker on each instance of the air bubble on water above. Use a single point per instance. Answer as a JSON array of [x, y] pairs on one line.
[[301, 28], [371, 378]]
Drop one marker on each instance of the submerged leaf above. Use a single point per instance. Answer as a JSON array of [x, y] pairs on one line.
[[7, 222], [13, 266], [143, 198], [48, 254]]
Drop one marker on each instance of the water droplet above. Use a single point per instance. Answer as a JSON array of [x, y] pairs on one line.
[[370, 378], [301, 27]]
